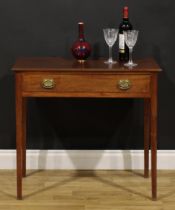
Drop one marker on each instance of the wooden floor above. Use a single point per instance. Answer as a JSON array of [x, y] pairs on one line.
[[87, 190]]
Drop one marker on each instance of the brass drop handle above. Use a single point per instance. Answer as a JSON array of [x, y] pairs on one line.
[[124, 84], [48, 83]]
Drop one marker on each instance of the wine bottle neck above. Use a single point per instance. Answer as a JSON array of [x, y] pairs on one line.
[[126, 19], [125, 13]]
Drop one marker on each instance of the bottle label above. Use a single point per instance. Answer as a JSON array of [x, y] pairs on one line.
[[121, 43]]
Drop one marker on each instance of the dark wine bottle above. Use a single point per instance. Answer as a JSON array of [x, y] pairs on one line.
[[124, 26]]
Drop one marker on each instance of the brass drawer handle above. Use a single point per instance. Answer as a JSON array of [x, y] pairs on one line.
[[48, 83], [124, 84]]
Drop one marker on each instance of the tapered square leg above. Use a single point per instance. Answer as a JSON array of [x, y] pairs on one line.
[[146, 136], [19, 135], [24, 114], [154, 137]]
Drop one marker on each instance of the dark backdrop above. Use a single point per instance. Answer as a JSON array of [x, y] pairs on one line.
[[48, 28]]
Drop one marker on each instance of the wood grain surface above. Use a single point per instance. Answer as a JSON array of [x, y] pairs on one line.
[[65, 65], [87, 190]]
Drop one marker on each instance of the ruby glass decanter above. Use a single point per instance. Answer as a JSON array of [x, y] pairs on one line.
[[81, 49]]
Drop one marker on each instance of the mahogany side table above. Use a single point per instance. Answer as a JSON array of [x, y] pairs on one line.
[[58, 77]]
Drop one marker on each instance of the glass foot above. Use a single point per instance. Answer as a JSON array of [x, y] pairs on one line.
[[110, 62], [130, 64]]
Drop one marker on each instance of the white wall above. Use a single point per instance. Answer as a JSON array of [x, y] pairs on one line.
[[86, 159]]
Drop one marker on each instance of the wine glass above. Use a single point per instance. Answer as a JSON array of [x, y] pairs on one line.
[[110, 35], [130, 39]]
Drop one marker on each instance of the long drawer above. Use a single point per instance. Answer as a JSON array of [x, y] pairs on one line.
[[85, 83]]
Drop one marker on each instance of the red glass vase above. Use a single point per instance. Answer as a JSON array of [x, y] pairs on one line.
[[81, 49]]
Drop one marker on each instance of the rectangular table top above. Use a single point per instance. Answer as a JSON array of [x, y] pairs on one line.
[[25, 64]]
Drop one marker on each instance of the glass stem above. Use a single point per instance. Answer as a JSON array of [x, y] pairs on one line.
[[110, 53], [130, 55]]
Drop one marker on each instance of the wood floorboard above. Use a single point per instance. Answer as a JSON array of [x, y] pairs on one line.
[[86, 190]]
